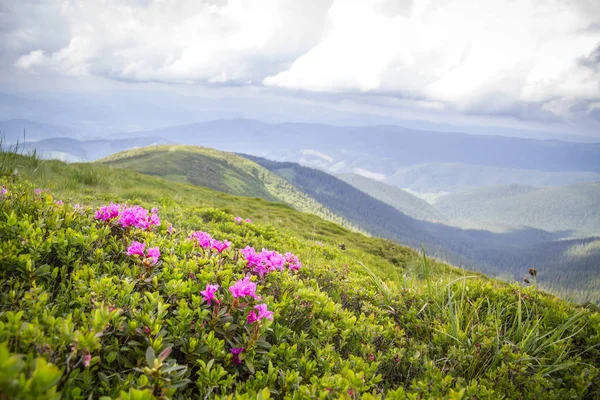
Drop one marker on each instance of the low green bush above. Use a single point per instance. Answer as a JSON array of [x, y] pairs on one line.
[[81, 318]]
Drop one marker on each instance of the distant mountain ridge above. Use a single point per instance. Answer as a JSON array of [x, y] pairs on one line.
[[402, 146]]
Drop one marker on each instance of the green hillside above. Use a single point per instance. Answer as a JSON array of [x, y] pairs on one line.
[[217, 170], [400, 199], [506, 254], [80, 318], [568, 208]]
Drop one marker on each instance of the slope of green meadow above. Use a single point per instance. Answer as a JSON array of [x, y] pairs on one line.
[[362, 318]]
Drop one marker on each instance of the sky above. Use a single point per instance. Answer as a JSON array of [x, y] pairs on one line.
[[531, 64]]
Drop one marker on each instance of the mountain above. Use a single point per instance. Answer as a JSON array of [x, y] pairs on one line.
[[217, 170], [23, 130], [99, 305], [400, 199], [72, 150], [383, 149], [457, 177], [573, 207]]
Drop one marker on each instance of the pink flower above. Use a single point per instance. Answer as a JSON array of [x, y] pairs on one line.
[[38, 191], [292, 262], [106, 213], [59, 203], [151, 256], [3, 191], [235, 352], [86, 360], [202, 238], [244, 287], [272, 259], [248, 220], [170, 228], [209, 293], [219, 246], [262, 313], [238, 220], [154, 254], [138, 217], [136, 248]]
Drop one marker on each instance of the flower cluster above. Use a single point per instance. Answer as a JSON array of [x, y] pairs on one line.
[[262, 313], [150, 257], [135, 216], [244, 287], [208, 294], [239, 220], [269, 260], [205, 240]]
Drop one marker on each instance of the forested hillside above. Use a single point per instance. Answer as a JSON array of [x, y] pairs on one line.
[[568, 208], [399, 199]]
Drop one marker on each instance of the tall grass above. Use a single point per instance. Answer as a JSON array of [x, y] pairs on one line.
[[14, 159]]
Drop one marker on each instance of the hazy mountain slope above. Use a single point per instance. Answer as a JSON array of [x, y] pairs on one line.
[[399, 146], [13, 130], [361, 209], [453, 177], [574, 207], [217, 170], [73, 150], [397, 198]]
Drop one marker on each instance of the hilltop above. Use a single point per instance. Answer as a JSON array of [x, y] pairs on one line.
[[217, 170], [80, 317]]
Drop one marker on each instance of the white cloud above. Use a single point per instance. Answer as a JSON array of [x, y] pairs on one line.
[[180, 40], [473, 55], [529, 59]]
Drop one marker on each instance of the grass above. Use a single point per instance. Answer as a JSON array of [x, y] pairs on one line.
[[371, 316]]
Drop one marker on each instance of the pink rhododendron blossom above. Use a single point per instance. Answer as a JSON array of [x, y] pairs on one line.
[[219, 246], [154, 254], [170, 228], [59, 203], [235, 352], [38, 191], [135, 216], [243, 288], [86, 360], [238, 220], [269, 260], [292, 262], [248, 220], [106, 213], [3, 191], [263, 312], [136, 248], [209, 293], [202, 238]]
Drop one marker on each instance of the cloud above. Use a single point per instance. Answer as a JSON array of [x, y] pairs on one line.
[[470, 57], [212, 42], [526, 59]]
